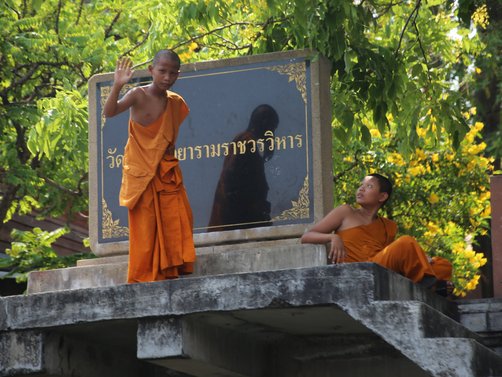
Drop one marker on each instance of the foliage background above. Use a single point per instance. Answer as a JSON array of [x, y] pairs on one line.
[[410, 80]]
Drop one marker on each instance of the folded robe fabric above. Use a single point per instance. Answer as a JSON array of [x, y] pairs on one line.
[[160, 218], [375, 242]]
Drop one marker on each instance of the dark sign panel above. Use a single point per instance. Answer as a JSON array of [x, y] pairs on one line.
[[245, 150]]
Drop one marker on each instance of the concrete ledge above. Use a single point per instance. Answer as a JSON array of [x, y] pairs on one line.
[[332, 284], [112, 271], [346, 317], [293, 287], [483, 316]]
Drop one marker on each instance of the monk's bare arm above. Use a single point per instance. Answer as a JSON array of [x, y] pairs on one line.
[[123, 74], [322, 233]]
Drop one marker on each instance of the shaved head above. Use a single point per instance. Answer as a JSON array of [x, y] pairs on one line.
[[166, 54]]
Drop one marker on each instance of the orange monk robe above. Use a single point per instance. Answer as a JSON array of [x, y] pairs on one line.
[[160, 218], [375, 243]]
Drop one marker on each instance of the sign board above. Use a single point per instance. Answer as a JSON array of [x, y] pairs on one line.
[[255, 150]]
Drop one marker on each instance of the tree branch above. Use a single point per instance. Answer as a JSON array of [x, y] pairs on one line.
[[56, 26], [414, 12], [336, 177], [29, 74], [423, 52], [210, 32], [61, 187], [138, 44], [80, 7], [110, 27]]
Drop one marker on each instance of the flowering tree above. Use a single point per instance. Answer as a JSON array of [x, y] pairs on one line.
[[441, 194]]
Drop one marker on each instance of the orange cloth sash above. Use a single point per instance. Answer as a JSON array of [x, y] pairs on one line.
[[146, 146]]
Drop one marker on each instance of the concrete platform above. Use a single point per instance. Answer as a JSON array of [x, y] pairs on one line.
[[358, 319], [112, 271]]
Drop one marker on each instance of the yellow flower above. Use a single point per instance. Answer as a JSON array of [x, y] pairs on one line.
[[471, 285], [469, 137], [420, 154], [475, 149], [478, 70], [433, 228], [185, 56], [396, 158], [416, 170], [193, 46], [469, 254], [471, 165], [458, 248], [474, 223], [433, 198], [478, 126], [484, 196], [435, 157], [421, 132], [480, 17], [375, 133]]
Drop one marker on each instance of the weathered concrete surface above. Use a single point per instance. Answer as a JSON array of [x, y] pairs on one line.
[[20, 352], [483, 316], [355, 319], [112, 271], [433, 333]]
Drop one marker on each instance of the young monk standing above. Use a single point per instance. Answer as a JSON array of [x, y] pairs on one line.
[[360, 235], [160, 218]]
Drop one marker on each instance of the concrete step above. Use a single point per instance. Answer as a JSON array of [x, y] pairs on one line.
[[112, 271], [483, 316], [432, 340]]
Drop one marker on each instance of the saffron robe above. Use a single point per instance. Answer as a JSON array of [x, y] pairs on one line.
[[160, 218], [375, 243]]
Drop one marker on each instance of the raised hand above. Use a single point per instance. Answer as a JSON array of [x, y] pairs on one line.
[[123, 71]]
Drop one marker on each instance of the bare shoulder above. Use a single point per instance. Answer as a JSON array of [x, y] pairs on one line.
[[138, 92], [334, 219], [132, 96], [345, 209]]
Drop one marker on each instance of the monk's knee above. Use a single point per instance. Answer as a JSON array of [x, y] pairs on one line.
[[407, 239]]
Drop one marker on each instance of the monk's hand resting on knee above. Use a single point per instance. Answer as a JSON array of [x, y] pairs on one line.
[[337, 251]]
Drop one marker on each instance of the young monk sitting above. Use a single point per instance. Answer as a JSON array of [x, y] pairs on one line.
[[360, 235]]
